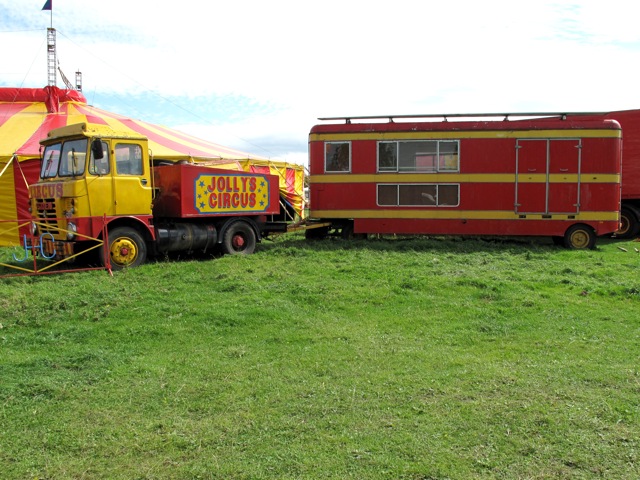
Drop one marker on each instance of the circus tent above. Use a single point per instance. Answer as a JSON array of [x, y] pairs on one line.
[[27, 114]]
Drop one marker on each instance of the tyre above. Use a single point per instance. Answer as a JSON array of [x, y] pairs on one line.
[[239, 239], [316, 233], [580, 237], [126, 248], [347, 233], [629, 225], [558, 241]]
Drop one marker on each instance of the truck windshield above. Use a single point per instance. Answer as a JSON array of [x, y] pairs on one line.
[[66, 160], [50, 161], [73, 157]]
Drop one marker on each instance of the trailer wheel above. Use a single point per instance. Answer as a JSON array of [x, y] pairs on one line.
[[629, 225], [239, 239], [316, 233], [126, 248], [347, 233], [580, 237]]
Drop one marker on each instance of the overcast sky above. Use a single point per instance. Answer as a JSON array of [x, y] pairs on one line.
[[255, 75]]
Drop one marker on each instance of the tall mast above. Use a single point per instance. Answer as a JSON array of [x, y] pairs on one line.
[[51, 56], [52, 60]]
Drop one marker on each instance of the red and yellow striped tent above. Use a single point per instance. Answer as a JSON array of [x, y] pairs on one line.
[[27, 114]]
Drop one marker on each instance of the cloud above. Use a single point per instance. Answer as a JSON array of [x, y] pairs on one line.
[[257, 74]]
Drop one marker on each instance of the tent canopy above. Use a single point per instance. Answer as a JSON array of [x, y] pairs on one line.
[[27, 114]]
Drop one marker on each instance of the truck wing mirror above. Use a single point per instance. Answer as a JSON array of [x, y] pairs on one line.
[[96, 149]]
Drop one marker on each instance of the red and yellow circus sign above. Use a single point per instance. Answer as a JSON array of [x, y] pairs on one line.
[[226, 194]]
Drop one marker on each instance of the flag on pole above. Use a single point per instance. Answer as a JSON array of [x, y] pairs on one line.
[[47, 5]]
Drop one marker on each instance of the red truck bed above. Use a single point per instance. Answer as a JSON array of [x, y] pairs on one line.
[[187, 191]]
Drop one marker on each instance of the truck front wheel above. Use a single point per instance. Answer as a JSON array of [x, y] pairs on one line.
[[239, 239], [126, 248]]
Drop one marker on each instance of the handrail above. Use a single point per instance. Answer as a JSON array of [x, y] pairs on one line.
[[446, 116]]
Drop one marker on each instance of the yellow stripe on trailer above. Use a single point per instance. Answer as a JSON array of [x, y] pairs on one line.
[[521, 134], [442, 214], [464, 178]]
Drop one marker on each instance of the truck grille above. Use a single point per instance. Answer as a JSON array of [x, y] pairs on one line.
[[46, 208]]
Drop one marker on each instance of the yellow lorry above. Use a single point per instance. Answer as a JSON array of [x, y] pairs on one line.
[[98, 186]]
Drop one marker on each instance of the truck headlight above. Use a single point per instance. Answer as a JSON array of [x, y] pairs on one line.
[[71, 230]]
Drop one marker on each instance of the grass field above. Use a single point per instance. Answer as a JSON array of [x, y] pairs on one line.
[[381, 359]]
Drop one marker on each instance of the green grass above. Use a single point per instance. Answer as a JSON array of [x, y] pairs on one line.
[[398, 358]]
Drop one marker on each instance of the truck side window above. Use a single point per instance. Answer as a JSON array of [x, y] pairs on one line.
[[128, 159], [100, 166]]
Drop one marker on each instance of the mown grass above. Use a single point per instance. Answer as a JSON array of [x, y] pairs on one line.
[[398, 358]]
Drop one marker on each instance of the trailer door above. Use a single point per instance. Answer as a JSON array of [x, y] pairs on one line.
[[564, 176], [547, 176], [531, 176]]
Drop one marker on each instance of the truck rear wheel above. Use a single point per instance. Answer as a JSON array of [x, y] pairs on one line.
[[239, 239], [580, 237], [126, 248]]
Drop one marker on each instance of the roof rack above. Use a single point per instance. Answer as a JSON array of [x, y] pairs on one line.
[[447, 116]]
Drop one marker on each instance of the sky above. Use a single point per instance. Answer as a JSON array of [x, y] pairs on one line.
[[256, 75]]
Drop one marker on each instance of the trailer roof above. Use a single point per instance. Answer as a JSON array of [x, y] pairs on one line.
[[446, 116]]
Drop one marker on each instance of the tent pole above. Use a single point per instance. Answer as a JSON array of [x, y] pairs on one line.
[[24, 177], [7, 165]]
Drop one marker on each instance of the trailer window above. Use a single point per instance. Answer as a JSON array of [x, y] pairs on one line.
[[388, 156], [337, 157], [448, 156], [418, 195], [128, 159], [387, 195], [418, 156], [448, 195]]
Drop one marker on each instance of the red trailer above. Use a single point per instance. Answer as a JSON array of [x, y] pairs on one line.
[[557, 177], [629, 120]]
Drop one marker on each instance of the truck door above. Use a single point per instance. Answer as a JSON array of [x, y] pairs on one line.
[[100, 185], [132, 186], [547, 176]]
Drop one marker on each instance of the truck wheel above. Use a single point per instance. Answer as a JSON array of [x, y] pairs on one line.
[[629, 225], [239, 239], [580, 237], [127, 248]]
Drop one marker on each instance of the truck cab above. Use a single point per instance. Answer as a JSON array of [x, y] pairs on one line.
[[89, 175]]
